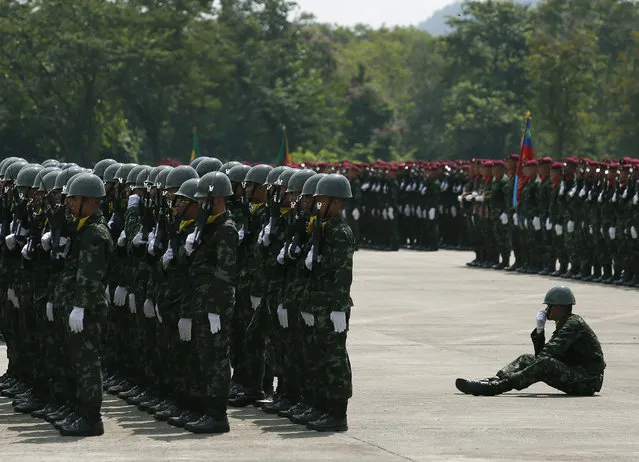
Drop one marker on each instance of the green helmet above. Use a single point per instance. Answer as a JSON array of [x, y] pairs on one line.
[[27, 175], [8, 161], [141, 180], [12, 171], [258, 174], [274, 174], [64, 176], [214, 184], [101, 166], [132, 177], [37, 182], [188, 189], [238, 173], [296, 182], [65, 188], [179, 175], [86, 185], [110, 171], [210, 164], [68, 165], [560, 295], [160, 181], [47, 182], [226, 168], [285, 177], [334, 185], [153, 175], [50, 163], [195, 162], [123, 172], [310, 186]]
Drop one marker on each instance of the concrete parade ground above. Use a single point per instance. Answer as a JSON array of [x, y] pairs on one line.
[[420, 321]]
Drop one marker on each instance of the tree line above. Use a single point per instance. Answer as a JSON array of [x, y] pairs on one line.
[[82, 80]]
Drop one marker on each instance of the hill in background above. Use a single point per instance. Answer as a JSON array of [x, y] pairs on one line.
[[436, 24]]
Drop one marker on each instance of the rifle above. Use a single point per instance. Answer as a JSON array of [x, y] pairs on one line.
[[162, 223], [5, 214], [35, 231], [148, 219]]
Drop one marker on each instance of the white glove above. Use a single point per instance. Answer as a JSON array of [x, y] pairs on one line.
[[189, 246], [355, 214], [479, 198], [391, 213], [138, 240], [266, 240], [45, 241], [453, 212], [282, 316], [526, 223], [541, 320], [107, 294], [167, 258], [11, 241], [240, 234], [612, 233], [157, 313], [25, 252], [548, 224], [339, 321], [132, 308], [633, 232], [76, 319], [294, 253], [184, 329], [215, 323], [308, 318], [134, 200], [119, 297], [255, 302], [150, 248], [559, 230], [384, 214], [504, 219], [122, 239], [111, 221], [309, 259], [537, 223], [571, 226], [515, 219], [281, 255], [431, 213], [49, 311], [11, 295], [149, 309]]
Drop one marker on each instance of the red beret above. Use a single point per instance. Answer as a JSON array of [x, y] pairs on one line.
[[513, 156], [614, 165], [556, 165], [545, 160], [572, 160], [532, 163], [498, 163]]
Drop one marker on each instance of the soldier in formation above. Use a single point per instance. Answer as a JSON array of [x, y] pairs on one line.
[[182, 290]]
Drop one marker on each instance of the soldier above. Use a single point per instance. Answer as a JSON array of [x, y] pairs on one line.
[[499, 214], [84, 279], [328, 308], [530, 218], [571, 361], [556, 246], [547, 262], [207, 303]]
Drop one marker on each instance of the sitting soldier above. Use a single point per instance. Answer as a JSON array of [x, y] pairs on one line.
[[571, 361]]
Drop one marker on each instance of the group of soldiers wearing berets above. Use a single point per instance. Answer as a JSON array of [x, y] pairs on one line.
[[182, 290]]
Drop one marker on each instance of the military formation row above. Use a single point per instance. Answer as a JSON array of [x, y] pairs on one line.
[[190, 288]]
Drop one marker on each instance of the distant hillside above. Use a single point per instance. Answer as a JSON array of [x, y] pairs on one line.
[[436, 24]]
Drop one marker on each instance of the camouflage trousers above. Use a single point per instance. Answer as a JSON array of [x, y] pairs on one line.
[[85, 364], [501, 236], [331, 364], [529, 369]]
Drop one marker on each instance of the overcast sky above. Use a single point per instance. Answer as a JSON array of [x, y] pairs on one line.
[[373, 12]]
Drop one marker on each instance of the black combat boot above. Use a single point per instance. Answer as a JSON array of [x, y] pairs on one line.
[[83, 427], [332, 421], [482, 387], [214, 421]]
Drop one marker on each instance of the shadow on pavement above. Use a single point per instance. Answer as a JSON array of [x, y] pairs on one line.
[[271, 423]]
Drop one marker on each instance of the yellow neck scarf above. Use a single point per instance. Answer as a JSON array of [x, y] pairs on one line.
[[185, 224]]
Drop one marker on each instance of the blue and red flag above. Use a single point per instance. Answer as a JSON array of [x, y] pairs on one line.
[[527, 153]]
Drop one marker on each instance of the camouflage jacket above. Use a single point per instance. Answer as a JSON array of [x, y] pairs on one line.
[[83, 279], [171, 281], [573, 343], [498, 196], [331, 278], [212, 270]]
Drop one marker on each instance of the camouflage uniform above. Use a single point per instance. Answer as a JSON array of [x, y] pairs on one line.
[[571, 361], [498, 202], [83, 283]]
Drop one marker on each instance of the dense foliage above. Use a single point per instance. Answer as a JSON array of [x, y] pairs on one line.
[[85, 79]]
